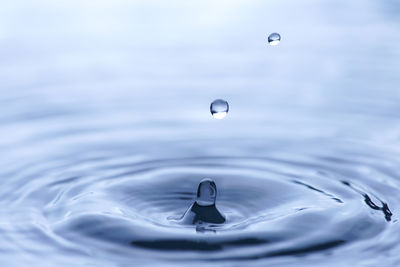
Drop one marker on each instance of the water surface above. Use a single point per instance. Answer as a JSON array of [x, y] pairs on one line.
[[106, 132]]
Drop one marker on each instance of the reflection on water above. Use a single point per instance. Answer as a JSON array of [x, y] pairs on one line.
[[105, 133]]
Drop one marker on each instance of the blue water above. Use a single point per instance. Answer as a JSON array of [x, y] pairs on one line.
[[106, 132]]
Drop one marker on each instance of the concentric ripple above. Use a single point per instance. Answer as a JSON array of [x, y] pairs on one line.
[[276, 206], [273, 207]]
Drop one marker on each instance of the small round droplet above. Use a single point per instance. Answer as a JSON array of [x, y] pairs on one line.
[[274, 38], [219, 108], [206, 192]]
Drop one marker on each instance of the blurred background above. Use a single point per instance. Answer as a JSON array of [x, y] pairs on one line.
[[162, 62]]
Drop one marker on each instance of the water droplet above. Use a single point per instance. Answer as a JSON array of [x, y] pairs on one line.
[[204, 210], [274, 38], [206, 192], [219, 108]]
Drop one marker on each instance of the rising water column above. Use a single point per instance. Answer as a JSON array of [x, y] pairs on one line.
[[204, 208]]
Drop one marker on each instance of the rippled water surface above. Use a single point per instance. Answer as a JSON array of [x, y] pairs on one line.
[[106, 132]]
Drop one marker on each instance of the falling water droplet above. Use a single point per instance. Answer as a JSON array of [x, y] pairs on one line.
[[206, 192], [219, 108], [274, 38]]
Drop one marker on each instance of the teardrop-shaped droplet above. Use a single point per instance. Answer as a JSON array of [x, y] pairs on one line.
[[206, 192]]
